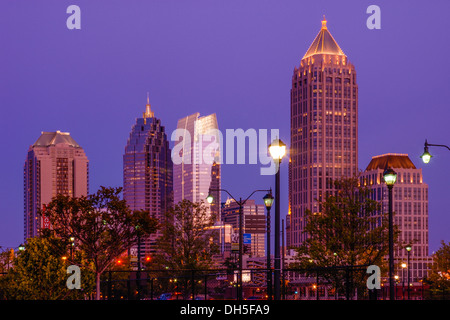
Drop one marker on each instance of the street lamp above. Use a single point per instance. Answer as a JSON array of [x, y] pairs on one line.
[[241, 203], [426, 156], [277, 150], [268, 200], [408, 249], [390, 176], [403, 265], [72, 243]]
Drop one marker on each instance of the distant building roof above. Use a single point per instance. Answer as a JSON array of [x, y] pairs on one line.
[[324, 43], [390, 160], [53, 138]]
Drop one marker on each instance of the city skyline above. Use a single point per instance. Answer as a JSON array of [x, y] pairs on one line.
[[81, 90]]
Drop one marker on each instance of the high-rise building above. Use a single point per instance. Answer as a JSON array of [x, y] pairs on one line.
[[410, 207], [197, 168], [55, 164], [324, 128], [148, 171], [254, 224]]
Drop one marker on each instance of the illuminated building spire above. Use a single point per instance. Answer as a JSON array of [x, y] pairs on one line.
[[324, 23], [148, 111], [324, 43]]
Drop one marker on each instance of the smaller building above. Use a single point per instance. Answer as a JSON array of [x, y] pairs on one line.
[[254, 223], [410, 207]]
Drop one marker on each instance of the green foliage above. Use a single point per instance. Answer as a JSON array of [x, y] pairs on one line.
[[186, 240], [346, 231], [439, 277], [39, 273], [185, 247], [102, 225]]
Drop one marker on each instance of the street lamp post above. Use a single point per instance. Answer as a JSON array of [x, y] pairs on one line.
[[403, 279], [277, 150], [426, 156], [268, 200], [390, 176], [408, 249], [240, 203]]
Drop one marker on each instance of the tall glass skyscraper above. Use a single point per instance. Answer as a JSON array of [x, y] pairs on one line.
[[148, 170], [198, 170], [324, 128], [55, 164]]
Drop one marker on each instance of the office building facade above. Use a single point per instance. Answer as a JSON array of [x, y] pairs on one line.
[[410, 207], [55, 164], [148, 171], [197, 161], [254, 224], [324, 129]]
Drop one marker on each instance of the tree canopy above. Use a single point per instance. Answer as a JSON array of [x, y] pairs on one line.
[[348, 231], [101, 224], [186, 241], [39, 273]]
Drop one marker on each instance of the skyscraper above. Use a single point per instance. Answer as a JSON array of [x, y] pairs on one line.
[[148, 170], [197, 168], [55, 164], [324, 128], [410, 207]]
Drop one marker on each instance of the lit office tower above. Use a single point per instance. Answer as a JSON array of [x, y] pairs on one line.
[[55, 164], [324, 128], [197, 160], [410, 207], [254, 224], [147, 171]]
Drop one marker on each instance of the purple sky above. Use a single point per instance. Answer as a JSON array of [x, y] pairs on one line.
[[234, 58]]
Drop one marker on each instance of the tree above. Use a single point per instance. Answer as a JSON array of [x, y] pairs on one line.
[[102, 225], [186, 242], [345, 233], [38, 273], [186, 238], [439, 277]]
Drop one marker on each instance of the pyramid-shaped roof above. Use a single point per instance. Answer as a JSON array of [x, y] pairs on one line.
[[391, 160], [324, 43], [52, 138]]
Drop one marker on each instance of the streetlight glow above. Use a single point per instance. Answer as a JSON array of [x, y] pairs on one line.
[[390, 177], [277, 149], [268, 200], [210, 198], [426, 156]]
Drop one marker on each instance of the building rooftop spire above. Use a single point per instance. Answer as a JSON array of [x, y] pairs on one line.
[[148, 110], [324, 23], [324, 43]]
